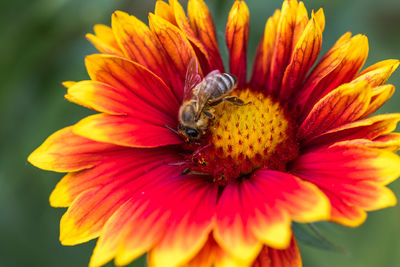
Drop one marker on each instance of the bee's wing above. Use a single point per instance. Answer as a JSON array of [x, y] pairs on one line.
[[192, 79], [214, 72]]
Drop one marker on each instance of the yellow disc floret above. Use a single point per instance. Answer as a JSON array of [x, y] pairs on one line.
[[245, 138]]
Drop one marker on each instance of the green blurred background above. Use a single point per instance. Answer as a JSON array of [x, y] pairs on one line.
[[42, 43]]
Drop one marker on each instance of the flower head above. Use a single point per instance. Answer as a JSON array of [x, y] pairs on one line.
[[298, 145]]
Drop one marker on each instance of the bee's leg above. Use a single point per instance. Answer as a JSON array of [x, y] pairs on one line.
[[209, 114], [169, 128], [235, 100]]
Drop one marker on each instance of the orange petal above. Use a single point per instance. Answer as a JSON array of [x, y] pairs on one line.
[[203, 26], [351, 176], [283, 44], [301, 23], [380, 95], [338, 66], [65, 151], [184, 25], [142, 46], [68, 84], [236, 34], [124, 162], [239, 229], [176, 45], [97, 96], [127, 131], [135, 83], [86, 217], [262, 60], [289, 257], [165, 11], [379, 73], [192, 218], [305, 53], [369, 128], [104, 40], [345, 104], [320, 18]]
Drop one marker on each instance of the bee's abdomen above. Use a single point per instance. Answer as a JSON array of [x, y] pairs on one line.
[[223, 84]]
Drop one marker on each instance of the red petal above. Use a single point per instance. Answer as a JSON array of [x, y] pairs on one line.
[[236, 34], [345, 104], [350, 176], [142, 46], [339, 65], [104, 40], [129, 161], [305, 52], [283, 44], [262, 60], [192, 213], [275, 198], [128, 131], [88, 214], [65, 151], [289, 257], [144, 90], [369, 128], [203, 26], [154, 215], [176, 46]]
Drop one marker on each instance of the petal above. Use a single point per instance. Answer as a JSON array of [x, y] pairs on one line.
[[65, 151], [236, 34], [127, 131], [351, 176], [379, 96], [176, 46], [305, 53], [144, 90], [131, 231], [104, 40], [98, 96], [203, 26], [300, 24], [191, 221], [132, 161], [338, 66], [320, 18], [153, 217], [206, 256], [283, 44], [86, 217], [165, 11], [68, 84], [186, 28], [232, 232], [239, 228], [263, 57], [289, 257], [142, 46], [369, 128], [379, 73], [345, 104]]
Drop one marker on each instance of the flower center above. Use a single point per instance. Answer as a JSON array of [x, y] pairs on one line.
[[244, 138]]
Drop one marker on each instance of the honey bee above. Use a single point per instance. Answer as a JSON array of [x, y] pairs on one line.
[[200, 95]]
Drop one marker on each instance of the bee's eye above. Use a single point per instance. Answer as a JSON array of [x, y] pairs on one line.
[[192, 133]]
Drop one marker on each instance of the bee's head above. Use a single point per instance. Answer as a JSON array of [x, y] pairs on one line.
[[190, 133]]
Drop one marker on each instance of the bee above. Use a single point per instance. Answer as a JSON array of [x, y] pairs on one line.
[[200, 95]]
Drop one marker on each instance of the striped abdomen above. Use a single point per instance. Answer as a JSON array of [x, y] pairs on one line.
[[219, 85]]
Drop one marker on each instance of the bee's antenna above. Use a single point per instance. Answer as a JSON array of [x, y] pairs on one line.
[[175, 131]]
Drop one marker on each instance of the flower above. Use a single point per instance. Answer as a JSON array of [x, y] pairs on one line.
[[303, 148]]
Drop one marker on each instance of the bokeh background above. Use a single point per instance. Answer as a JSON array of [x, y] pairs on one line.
[[42, 43]]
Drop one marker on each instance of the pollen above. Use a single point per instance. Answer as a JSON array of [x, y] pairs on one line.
[[245, 138]]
